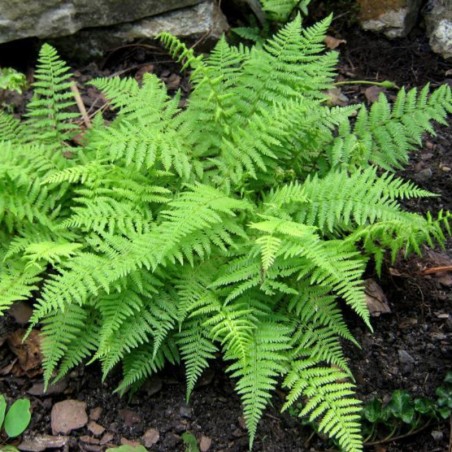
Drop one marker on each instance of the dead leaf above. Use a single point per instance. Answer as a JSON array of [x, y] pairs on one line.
[[145, 69], [407, 323], [373, 93], [21, 312], [336, 98], [332, 42], [173, 82], [28, 352], [376, 299]]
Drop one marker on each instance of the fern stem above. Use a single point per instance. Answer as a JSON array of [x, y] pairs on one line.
[[384, 84]]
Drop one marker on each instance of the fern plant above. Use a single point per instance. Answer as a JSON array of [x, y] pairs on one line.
[[233, 225]]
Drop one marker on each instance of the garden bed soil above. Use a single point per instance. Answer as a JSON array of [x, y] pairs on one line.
[[410, 347]]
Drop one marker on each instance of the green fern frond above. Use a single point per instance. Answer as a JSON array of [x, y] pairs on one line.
[[50, 252], [230, 222], [280, 10], [196, 349], [330, 398], [11, 129], [61, 331], [326, 262], [389, 133], [258, 371], [342, 200], [141, 363], [49, 120], [17, 282]]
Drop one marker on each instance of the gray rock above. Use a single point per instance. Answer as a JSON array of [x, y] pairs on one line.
[[57, 388], [393, 18], [50, 18], [203, 22], [438, 21], [151, 437], [68, 415], [406, 362]]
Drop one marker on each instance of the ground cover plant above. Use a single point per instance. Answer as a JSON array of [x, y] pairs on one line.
[[233, 225]]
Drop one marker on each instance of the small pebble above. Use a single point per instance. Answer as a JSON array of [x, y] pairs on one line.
[[437, 435]]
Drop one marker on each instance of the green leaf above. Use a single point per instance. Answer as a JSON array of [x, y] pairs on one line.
[[444, 396], [2, 409], [448, 378], [128, 448], [401, 406], [191, 445], [18, 418], [444, 412], [373, 411], [424, 406], [9, 448]]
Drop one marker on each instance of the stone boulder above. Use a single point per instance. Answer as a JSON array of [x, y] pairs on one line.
[[438, 21], [203, 23], [393, 18], [51, 18]]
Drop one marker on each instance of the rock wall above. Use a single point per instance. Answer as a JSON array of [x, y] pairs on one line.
[[438, 20], [396, 18], [51, 18], [204, 23]]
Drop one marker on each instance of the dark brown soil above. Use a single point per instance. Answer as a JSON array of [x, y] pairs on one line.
[[419, 325]]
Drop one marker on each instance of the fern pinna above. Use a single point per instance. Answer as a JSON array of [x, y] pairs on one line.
[[231, 225]]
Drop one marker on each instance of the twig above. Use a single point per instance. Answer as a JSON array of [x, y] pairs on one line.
[[81, 105], [396, 438], [430, 271], [450, 436]]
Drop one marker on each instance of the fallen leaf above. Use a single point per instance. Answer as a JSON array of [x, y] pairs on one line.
[[21, 312], [39, 443], [173, 82], [28, 352], [373, 93], [332, 42], [376, 299], [336, 97], [145, 69], [38, 388]]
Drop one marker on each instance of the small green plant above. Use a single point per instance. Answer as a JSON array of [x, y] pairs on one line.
[[12, 80], [190, 442], [276, 14], [127, 448], [444, 397], [404, 415], [235, 225], [13, 420]]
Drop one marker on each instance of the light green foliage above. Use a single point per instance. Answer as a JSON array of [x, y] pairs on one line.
[[12, 80], [281, 10], [232, 225], [14, 420], [128, 449], [191, 445]]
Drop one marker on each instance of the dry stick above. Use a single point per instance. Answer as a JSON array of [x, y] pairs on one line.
[[81, 105], [450, 436], [429, 271], [396, 438]]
